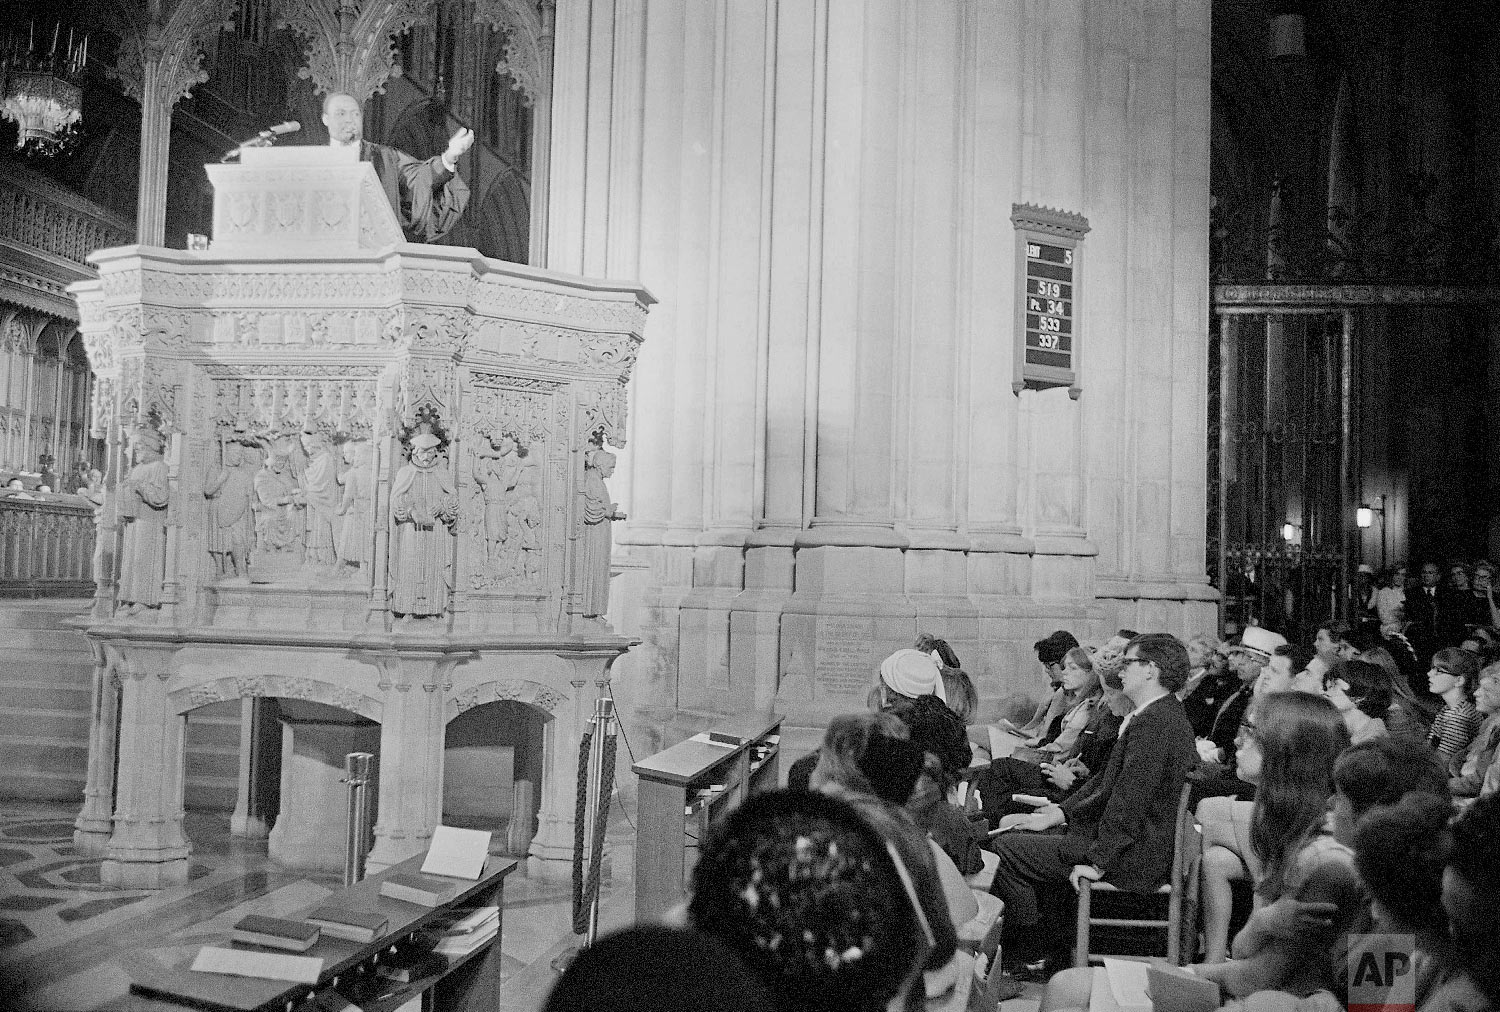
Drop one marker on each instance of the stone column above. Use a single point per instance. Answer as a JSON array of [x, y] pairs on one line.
[[248, 819], [148, 849], [156, 68], [551, 851], [411, 751], [92, 828]]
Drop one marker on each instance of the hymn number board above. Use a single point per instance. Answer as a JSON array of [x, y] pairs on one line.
[[1048, 279]]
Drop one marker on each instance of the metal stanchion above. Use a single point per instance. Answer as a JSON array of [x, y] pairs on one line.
[[357, 767], [605, 729], [596, 776]]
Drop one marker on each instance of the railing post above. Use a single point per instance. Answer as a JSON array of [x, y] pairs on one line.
[[357, 769]]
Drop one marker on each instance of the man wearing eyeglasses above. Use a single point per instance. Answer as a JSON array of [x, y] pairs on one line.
[[1119, 826]]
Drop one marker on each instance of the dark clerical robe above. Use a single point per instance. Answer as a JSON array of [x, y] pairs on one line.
[[427, 198]]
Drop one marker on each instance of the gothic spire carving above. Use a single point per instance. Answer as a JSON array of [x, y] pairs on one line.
[[521, 54], [349, 43], [172, 42]]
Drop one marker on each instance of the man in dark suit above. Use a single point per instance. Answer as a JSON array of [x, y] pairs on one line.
[[427, 195], [1120, 824]]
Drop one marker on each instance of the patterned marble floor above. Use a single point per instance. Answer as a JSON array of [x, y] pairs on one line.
[[67, 941]]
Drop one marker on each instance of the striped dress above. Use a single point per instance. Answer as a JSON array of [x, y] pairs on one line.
[[1454, 728]]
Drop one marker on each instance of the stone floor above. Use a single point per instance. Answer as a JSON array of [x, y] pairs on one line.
[[66, 940]]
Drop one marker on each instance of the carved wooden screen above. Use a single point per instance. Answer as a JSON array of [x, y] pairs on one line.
[[1280, 520]]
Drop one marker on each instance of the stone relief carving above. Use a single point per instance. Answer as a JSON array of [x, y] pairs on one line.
[[298, 688], [520, 58], [143, 499], [424, 511], [329, 398], [355, 506], [508, 483], [601, 410], [230, 490], [424, 388], [251, 685], [320, 493], [279, 510], [598, 514], [346, 699], [203, 695], [350, 47]]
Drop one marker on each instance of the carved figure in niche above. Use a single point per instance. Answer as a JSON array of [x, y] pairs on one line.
[[424, 508], [143, 513], [525, 522], [230, 491], [598, 514], [278, 505], [321, 494], [354, 508], [498, 469]]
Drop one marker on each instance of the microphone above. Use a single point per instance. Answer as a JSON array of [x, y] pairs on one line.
[[264, 138]]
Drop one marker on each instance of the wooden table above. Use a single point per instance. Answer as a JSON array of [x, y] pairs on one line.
[[468, 984]]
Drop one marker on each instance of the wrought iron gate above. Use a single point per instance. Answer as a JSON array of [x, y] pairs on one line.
[[1282, 457]]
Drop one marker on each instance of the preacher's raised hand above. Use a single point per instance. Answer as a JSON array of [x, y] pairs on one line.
[[457, 145]]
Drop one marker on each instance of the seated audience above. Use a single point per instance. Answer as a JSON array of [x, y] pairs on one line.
[[1246, 659], [905, 674], [1471, 898], [1467, 771], [804, 889], [867, 761], [1050, 652], [1083, 699], [1286, 671], [1398, 851], [1289, 748], [1406, 718], [1120, 827], [1379, 772], [1209, 683], [650, 967], [938, 732], [1359, 691], [1452, 678], [1004, 778]]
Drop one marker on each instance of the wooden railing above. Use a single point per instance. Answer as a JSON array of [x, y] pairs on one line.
[[37, 212], [46, 546]]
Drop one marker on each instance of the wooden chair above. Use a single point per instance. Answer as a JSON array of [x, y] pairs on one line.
[[1180, 890]]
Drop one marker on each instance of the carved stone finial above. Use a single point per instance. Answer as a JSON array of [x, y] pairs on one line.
[[521, 52], [175, 48], [349, 43]]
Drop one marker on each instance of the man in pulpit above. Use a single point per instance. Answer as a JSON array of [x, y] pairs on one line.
[[428, 196]]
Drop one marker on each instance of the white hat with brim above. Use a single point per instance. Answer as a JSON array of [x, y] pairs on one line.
[[424, 441], [1259, 641], [912, 673]]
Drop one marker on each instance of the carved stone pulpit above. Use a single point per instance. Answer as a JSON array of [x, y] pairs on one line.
[[343, 470]]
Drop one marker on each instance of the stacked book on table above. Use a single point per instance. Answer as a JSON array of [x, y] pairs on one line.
[[471, 931]]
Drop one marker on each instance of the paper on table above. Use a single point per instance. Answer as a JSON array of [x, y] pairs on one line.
[[1127, 982], [457, 853], [1002, 743], [265, 965], [702, 737]]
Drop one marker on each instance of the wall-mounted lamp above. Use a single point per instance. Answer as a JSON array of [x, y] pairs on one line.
[[1364, 518], [1291, 533]]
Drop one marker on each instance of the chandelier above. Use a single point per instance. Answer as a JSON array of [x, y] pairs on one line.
[[39, 92]]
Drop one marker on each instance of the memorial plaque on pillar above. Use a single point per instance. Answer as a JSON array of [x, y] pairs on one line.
[[1049, 282]]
